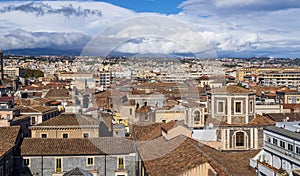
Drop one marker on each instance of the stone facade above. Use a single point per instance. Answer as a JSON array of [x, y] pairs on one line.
[[102, 164]]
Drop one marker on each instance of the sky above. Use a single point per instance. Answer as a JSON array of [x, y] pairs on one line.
[[216, 28]]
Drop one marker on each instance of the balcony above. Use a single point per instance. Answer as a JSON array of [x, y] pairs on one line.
[[289, 154], [267, 169]]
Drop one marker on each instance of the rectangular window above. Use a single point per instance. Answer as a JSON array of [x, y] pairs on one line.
[[238, 107], [275, 141], [268, 139], [65, 135], [298, 150], [121, 163], [32, 120], [8, 116], [26, 162], [251, 106], [290, 147], [90, 161], [282, 144], [44, 135], [220, 107], [130, 111], [85, 135], [58, 165]]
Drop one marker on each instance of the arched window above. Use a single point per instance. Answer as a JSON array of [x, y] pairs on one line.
[[196, 116], [239, 139]]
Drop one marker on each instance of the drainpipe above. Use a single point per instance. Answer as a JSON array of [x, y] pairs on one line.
[[42, 165], [105, 165]]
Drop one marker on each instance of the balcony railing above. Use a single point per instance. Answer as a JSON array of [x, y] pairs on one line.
[[282, 150]]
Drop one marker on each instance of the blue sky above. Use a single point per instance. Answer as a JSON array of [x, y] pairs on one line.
[[231, 28], [159, 6]]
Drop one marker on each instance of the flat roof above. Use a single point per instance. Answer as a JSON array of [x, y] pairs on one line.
[[283, 132]]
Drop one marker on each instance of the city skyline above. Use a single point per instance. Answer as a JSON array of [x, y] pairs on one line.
[[232, 29]]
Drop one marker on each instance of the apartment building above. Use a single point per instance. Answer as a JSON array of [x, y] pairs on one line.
[[281, 152], [67, 126], [94, 156]]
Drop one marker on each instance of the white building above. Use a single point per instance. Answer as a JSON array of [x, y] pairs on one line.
[[281, 152]]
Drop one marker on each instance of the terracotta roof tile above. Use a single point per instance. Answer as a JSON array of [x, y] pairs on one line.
[[36, 109], [230, 89], [58, 94], [5, 147], [9, 134], [280, 117], [180, 154], [40, 146], [69, 120], [146, 132], [76, 146]]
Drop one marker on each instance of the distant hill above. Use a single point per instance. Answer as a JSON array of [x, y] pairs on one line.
[[43, 51]]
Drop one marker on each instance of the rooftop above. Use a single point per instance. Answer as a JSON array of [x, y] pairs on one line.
[[284, 131], [231, 89], [76, 146], [281, 117], [181, 154], [8, 138], [69, 120]]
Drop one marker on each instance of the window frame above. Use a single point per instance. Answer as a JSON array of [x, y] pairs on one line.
[[223, 107], [275, 141], [297, 151], [64, 136], [240, 139], [88, 159], [44, 134], [235, 107], [251, 106], [88, 135], [56, 164], [196, 116], [282, 144], [26, 165], [118, 164], [290, 147]]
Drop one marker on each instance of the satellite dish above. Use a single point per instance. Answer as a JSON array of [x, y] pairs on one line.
[[210, 126]]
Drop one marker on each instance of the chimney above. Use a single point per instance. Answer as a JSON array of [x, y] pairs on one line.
[[2, 75]]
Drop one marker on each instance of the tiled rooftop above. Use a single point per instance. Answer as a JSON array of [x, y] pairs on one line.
[[230, 89], [8, 138], [9, 134], [58, 94], [36, 109], [181, 154], [146, 132], [74, 146], [257, 121], [280, 117], [69, 120]]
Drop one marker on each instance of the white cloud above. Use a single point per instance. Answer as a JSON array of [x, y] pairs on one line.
[[233, 27], [20, 39]]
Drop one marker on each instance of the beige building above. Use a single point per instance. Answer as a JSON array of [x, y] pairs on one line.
[[67, 126], [232, 114], [167, 115], [39, 114], [165, 148]]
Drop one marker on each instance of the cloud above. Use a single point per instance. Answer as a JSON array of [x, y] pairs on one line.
[[231, 27], [228, 7], [21, 39], [41, 9]]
